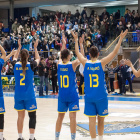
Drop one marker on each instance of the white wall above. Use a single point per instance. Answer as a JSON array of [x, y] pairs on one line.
[[99, 10], [4, 16], [65, 8], [132, 7]]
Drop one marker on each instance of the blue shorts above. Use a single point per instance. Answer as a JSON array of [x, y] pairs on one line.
[[64, 106], [100, 108], [2, 106], [29, 105]]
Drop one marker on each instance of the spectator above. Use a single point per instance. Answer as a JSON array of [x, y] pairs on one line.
[[137, 19], [117, 15], [84, 12], [111, 76], [8, 44], [104, 14], [53, 76], [1, 25], [77, 14], [72, 56], [103, 31], [119, 28], [14, 26], [42, 71], [61, 23]]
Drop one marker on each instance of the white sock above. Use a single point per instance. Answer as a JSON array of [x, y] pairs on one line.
[[100, 137], [20, 135], [93, 139], [1, 135], [32, 136]]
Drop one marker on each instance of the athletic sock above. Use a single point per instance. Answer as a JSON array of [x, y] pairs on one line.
[[32, 136], [1, 135], [57, 135], [73, 135], [93, 139], [20, 135], [100, 137]]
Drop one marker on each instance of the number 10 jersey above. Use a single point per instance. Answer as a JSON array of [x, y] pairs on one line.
[[68, 89], [94, 78]]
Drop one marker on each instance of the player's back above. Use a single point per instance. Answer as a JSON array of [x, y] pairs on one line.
[[1, 66], [95, 87], [24, 88], [68, 90]]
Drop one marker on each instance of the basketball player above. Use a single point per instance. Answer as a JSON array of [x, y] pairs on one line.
[[96, 102], [135, 72], [24, 89], [3, 59], [68, 91]]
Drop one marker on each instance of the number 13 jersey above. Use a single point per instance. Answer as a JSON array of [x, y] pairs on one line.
[[24, 84], [68, 90], [94, 78]]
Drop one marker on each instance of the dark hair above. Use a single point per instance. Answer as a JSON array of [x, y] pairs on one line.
[[93, 51], [24, 58], [41, 58], [64, 54]]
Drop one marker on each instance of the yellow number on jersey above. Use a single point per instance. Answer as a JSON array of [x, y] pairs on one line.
[[63, 81], [21, 81], [94, 80]]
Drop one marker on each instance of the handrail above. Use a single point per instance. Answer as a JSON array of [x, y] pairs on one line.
[[114, 41], [110, 44], [136, 62]]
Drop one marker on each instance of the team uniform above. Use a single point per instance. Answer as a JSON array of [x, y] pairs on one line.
[[96, 102], [2, 107], [25, 98], [68, 90]]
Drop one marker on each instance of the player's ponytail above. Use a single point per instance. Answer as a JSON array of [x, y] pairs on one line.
[[24, 58]]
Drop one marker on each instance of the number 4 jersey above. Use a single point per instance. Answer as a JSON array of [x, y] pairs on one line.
[[95, 86], [68, 90], [24, 84]]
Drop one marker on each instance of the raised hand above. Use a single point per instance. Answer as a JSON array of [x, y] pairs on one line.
[[123, 34], [13, 51], [36, 44], [127, 62], [19, 42], [75, 35]]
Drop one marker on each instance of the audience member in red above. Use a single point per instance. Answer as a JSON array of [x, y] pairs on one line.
[[60, 44], [61, 23], [1, 25]]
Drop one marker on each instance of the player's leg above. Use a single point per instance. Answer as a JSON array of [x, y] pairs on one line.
[[92, 127], [90, 111], [72, 116], [102, 110], [100, 127], [19, 106], [62, 109], [2, 111], [1, 126], [32, 124], [21, 115], [31, 107], [73, 108], [59, 125]]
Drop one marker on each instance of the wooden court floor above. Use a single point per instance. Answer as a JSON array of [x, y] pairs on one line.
[[47, 115]]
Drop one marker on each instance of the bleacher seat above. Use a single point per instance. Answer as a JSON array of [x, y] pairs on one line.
[[6, 30]]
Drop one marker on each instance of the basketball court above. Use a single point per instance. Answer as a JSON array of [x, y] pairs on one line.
[[123, 122]]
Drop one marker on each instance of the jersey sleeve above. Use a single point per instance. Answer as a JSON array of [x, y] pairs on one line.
[[33, 65], [1, 63]]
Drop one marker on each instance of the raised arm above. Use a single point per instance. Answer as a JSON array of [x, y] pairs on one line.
[[79, 55], [81, 44], [11, 54], [17, 52], [108, 58], [37, 57], [3, 52], [135, 72]]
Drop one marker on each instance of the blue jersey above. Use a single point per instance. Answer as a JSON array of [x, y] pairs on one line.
[[24, 84], [68, 90], [1, 65], [95, 87]]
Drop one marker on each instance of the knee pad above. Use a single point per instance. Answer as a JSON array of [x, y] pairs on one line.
[[1, 121], [32, 121]]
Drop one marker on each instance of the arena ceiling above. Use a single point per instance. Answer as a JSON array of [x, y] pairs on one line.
[[89, 3]]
